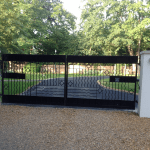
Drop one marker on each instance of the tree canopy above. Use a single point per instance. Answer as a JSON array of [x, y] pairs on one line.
[[35, 26], [107, 28], [115, 26]]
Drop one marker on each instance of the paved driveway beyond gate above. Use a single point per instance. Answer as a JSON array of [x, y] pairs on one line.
[[78, 87]]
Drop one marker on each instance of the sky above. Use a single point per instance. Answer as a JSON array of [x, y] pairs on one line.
[[73, 7]]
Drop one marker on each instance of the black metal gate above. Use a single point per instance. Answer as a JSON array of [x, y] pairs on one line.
[[92, 81]]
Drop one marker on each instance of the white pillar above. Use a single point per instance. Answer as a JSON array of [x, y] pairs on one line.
[[144, 92]]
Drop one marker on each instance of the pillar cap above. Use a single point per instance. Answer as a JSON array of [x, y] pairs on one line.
[[145, 52]]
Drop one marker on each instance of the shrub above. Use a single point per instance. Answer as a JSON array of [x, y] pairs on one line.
[[35, 68], [30, 68], [91, 72]]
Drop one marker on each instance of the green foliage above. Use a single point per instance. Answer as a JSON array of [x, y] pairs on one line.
[[17, 87], [123, 27], [31, 68], [92, 72], [23, 31], [119, 85]]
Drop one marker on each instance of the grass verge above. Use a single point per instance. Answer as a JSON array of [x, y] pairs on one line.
[[42, 76], [13, 88], [129, 87]]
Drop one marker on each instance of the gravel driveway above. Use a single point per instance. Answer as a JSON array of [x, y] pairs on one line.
[[46, 127], [32, 127]]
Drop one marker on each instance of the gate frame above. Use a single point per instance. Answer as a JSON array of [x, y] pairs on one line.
[[100, 103], [31, 99], [104, 103]]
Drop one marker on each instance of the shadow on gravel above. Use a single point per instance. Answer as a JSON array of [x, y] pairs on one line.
[[73, 107]]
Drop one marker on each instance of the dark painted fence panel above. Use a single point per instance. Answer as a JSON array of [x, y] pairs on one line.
[[14, 75], [103, 59], [78, 86], [32, 58], [122, 79]]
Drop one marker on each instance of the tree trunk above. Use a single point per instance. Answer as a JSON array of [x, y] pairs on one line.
[[130, 50], [139, 45]]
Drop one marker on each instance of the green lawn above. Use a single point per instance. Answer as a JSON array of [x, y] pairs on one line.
[[122, 85], [12, 88], [24, 85], [40, 76]]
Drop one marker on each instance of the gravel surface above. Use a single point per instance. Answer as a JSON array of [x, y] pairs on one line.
[[33, 127]]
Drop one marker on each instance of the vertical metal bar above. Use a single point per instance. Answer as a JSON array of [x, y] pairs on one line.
[[88, 76], [66, 82], [79, 76], [50, 76], [125, 70], [40, 72], [108, 75], [56, 75], [30, 78], [76, 77], [47, 73], [73, 73], [96, 83], [125, 82], [103, 80], [112, 82], [115, 82], [59, 74], [118, 82], [22, 79], [14, 78], [85, 75], [19, 79], [128, 82], [121, 83], [11, 79], [25, 80], [36, 78], [53, 74], [100, 76], [33, 75], [2, 65], [8, 78], [135, 85], [82, 76]]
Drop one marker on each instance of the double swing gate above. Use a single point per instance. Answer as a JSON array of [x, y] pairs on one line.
[[87, 81]]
